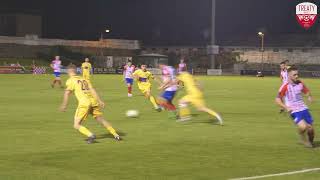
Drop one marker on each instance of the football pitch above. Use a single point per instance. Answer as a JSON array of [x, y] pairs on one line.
[[38, 142]]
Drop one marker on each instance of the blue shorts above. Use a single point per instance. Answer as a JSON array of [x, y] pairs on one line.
[[143, 79], [302, 115], [168, 95], [129, 81], [57, 74]]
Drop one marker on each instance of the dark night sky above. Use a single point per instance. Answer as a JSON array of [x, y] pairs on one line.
[[170, 22]]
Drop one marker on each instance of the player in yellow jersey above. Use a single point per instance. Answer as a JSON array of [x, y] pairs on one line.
[[194, 96], [86, 69], [88, 103], [143, 77]]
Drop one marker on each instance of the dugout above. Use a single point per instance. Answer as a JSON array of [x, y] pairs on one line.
[[152, 60]]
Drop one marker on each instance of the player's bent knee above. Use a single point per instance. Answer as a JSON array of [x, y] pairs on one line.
[[302, 126], [181, 101], [202, 109], [76, 126], [102, 121], [99, 118], [310, 127], [183, 105], [161, 100]]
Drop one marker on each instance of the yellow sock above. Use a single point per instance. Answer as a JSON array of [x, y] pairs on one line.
[[112, 131], [153, 101], [83, 130], [213, 113], [184, 111]]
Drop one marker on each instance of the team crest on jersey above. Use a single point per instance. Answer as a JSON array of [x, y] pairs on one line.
[[306, 14]]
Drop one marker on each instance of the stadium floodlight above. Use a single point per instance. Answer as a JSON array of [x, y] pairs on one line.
[[260, 33], [105, 31]]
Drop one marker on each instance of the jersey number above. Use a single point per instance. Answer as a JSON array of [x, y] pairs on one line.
[[84, 84]]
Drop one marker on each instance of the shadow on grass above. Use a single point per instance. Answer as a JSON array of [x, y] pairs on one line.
[[212, 122], [110, 136], [195, 115], [316, 144]]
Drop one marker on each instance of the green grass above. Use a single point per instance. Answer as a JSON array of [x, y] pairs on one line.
[[38, 142]]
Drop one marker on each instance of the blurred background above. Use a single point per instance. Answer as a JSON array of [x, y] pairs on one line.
[[208, 34]]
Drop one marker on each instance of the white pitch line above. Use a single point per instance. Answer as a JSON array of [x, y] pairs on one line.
[[279, 174]]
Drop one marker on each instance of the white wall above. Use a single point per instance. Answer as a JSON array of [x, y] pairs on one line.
[[297, 56]]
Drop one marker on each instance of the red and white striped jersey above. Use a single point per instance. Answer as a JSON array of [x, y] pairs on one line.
[[284, 76], [168, 74], [293, 97], [56, 65], [182, 67], [128, 71]]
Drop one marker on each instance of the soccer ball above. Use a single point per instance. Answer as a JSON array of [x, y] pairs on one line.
[[132, 113]]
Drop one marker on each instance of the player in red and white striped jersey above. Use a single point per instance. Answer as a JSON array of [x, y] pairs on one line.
[[290, 98], [128, 70], [283, 72], [169, 88], [182, 67], [283, 75], [56, 65]]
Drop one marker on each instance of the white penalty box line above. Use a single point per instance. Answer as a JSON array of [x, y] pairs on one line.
[[278, 174]]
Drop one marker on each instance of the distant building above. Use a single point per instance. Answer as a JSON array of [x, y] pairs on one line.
[[20, 25]]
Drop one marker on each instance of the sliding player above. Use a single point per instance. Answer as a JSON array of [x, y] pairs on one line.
[[292, 93], [195, 97], [169, 87], [88, 103], [143, 77], [128, 70], [56, 66], [86, 68]]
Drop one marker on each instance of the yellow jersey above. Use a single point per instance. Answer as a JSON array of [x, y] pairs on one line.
[[190, 84], [143, 77], [82, 90], [86, 67]]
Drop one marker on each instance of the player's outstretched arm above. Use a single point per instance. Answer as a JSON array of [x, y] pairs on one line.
[[65, 101], [310, 98], [135, 75], [157, 79], [281, 104], [307, 92], [165, 84], [179, 83]]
